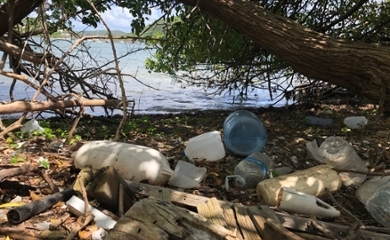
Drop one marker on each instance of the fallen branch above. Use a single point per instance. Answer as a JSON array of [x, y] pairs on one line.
[[17, 233], [5, 173], [279, 228], [22, 106], [27, 55]]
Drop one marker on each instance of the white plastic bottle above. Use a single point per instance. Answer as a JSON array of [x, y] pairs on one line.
[[378, 205], [251, 170]]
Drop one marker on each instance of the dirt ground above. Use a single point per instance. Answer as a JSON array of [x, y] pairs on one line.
[[287, 130]]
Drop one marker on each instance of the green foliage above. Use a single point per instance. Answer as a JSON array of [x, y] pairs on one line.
[[10, 141], [17, 159], [43, 162], [47, 133], [75, 138], [208, 53], [345, 130]]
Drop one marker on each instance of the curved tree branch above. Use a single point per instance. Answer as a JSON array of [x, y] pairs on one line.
[[344, 16], [24, 8]]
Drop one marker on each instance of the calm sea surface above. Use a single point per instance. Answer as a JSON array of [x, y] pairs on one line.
[[166, 96]]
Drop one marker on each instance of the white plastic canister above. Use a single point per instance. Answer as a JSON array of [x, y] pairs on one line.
[[312, 181], [207, 146], [133, 162]]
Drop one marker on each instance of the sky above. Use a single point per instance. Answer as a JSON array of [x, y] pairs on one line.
[[117, 19]]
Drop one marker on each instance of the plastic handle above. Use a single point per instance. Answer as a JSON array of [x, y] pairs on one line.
[[239, 181], [304, 203]]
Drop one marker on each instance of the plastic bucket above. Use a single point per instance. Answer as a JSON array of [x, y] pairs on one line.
[[244, 133], [207, 146]]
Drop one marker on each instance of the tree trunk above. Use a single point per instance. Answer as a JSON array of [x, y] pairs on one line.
[[360, 67], [22, 9]]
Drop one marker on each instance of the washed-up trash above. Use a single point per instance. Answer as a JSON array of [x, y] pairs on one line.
[[303, 203], [378, 205], [133, 162], [32, 125], [186, 175], [206, 146], [20, 214], [99, 234], [77, 207], [368, 188], [244, 133], [251, 170], [312, 147], [337, 152], [355, 122], [312, 181], [319, 121], [279, 171], [45, 225]]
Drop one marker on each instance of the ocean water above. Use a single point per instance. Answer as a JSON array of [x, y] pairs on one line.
[[164, 94]]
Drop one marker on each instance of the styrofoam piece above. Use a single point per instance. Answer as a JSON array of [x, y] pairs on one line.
[[367, 189], [132, 162], [186, 175], [76, 206], [303, 203], [355, 122], [207, 146]]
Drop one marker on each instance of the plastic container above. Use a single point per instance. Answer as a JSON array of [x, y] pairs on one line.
[[299, 202], [378, 205], [355, 122], [312, 181], [186, 175], [337, 152], [319, 121], [207, 146], [133, 162], [32, 125], [251, 170], [244, 133], [368, 188]]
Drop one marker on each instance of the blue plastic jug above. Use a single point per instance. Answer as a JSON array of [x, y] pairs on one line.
[[244, 133]]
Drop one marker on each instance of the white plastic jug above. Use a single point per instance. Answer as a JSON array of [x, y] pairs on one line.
[[312, 181], [207, 146], [299, 202], [132, 162]]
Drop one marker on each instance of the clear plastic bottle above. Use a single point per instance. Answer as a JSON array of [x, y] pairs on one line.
[[251, 170], [244, 133], [337, 152], [378, 205]]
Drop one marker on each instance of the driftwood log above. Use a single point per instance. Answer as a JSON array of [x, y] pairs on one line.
[[22, 106], [284, 226], [157, 219]]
